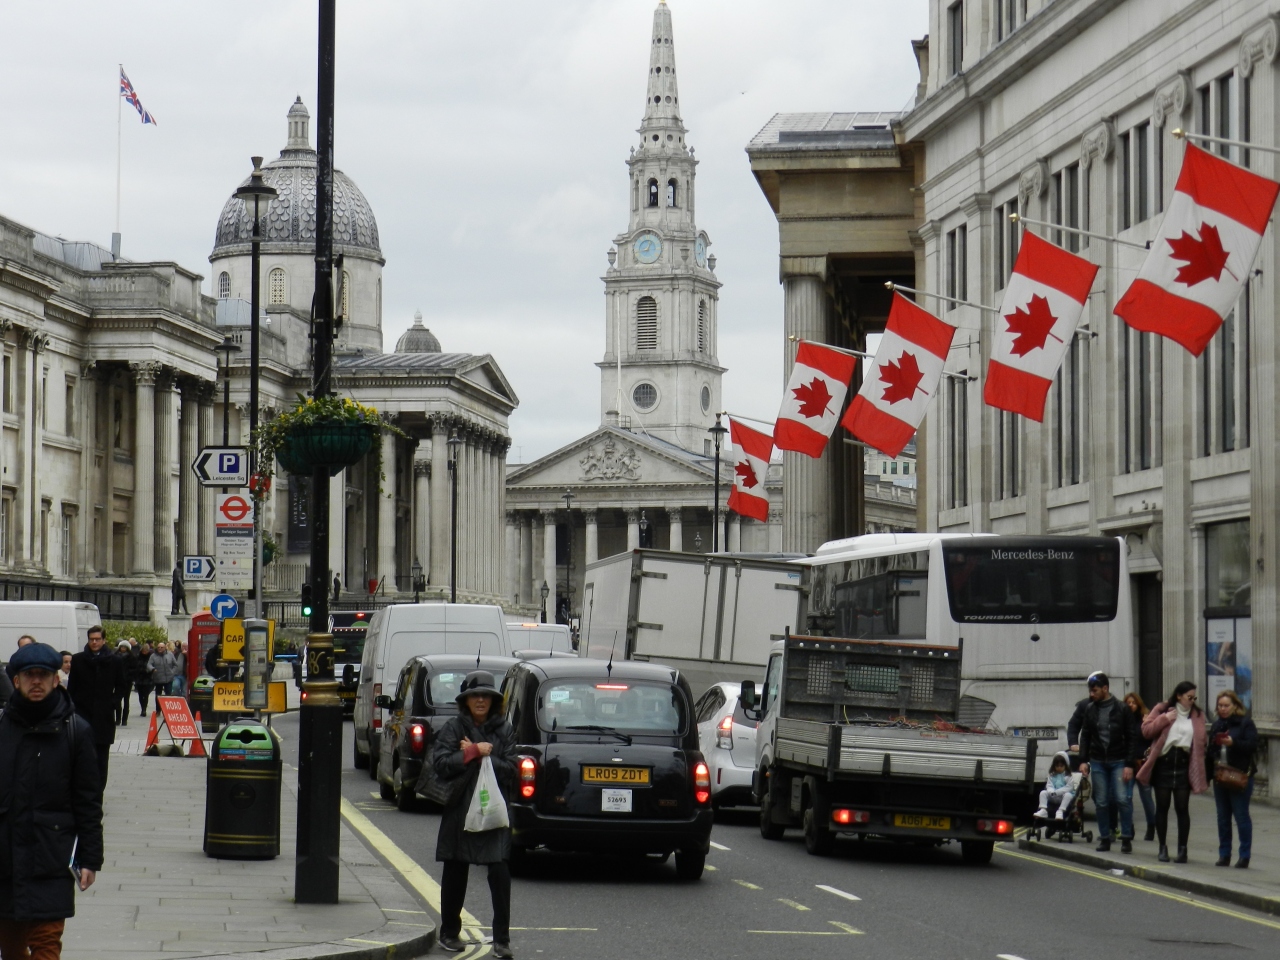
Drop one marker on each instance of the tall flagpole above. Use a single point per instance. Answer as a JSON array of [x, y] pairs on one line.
[[115, 237]]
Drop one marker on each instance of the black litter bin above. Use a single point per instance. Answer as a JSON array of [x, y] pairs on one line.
[[201, 701], [242, 794]]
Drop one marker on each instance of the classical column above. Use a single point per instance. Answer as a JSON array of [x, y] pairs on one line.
[[536, 535], [735, 534], [144, 467], [31, 440], [204, 497], [439, 513], [676, 518], [633, 529], [188, 487], [422, 507], [5, 327], [338, 539], [512, 588], [500, 479], [88, 399], [806, 515], [592, 553], [162, 540], [488, 516], [387, 513], [549, 562], [468, 480]]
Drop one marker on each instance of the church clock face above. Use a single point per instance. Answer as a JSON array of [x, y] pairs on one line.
[[647, 247], [700, 251]]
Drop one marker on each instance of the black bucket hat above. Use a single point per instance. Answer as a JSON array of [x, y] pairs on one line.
[[481, 682]]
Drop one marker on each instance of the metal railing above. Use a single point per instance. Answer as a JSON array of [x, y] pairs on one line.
[[288, 613], [111, 604]]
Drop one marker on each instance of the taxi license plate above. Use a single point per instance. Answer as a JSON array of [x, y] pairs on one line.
[[627, 775], [920, 821]]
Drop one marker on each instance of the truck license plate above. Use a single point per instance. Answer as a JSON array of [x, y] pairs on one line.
[[920, 821], [615, 801], [1037, 733]]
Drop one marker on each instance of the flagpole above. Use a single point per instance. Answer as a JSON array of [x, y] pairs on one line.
[[115, 237], [890, 285], [871, 356], [1188, 135], [1019, 218], [739, 416]]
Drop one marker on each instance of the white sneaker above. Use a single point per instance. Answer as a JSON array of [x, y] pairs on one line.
[[1059, 816], [1043, 813]]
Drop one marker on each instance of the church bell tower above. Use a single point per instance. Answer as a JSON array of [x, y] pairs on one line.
[[660, 370]]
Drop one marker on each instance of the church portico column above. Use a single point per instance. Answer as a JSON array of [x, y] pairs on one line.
[[511, 589], [537, 533], [549, 562], [592, 542], [441, 490], [188, 489], [163, 541], [387, 514], [676, 518], [144, 464], [422, 507], [633, 529], [807, 482]]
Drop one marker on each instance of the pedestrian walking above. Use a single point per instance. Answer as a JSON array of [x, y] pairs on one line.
[[1233, 740], [480, 730], [142, 678], [64, 672], [50, 807], [179, 685], [1139, 707], [97, 682], [162, 666], [127, 657], [1110, 741], [1175, 764]]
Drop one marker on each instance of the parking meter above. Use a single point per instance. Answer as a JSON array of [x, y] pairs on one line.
[[257, 663]]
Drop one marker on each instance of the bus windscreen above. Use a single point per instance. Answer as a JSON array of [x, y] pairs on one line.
[[1033, 580]]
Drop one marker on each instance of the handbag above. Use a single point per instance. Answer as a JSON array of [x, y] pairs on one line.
[[1230, 777], [444, 793]]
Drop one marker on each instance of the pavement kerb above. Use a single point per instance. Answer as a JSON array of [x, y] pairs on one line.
[[1240, 898]]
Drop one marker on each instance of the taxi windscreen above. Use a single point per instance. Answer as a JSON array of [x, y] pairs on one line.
[[621, 706]]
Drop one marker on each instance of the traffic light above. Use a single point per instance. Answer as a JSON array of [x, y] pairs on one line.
[[306, 599]]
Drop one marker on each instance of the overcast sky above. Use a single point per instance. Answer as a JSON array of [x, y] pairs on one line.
[[490, 137]]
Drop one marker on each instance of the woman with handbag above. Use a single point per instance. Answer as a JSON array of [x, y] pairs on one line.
[[1175, 763], [1135, 703], [478, 738], [1233, 738]]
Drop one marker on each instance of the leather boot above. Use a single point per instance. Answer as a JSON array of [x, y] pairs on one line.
[[1151, 832], [1182, 855], [1163, 855]]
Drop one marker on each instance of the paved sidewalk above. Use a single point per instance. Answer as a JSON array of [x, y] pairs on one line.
[[159, 896], [1257, 888]]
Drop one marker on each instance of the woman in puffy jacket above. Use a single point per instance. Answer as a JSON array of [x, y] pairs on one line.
[[1234, 739], [1175, 762]]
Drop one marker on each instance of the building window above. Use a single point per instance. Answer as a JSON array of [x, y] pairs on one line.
[[1228, 563], [957, 264], [702, 326], [7, 374], [1068, 415], [1006, 16], [68, 543], [224, 285], [44, 401], [644, 396], [1142, 171], [1007, 238], [893, 468], [6, 528], [1008, 451], [1066, 206], [671, 192], [1126, 183], [44, 536], [70, 413], [906, 469], [277, 293], [958, 442], [955, 34], [1223, 370], [646, 324], [1140, 387], [346, 295], [653, 193]]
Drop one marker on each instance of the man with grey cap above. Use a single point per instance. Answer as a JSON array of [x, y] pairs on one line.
[[50, 807]]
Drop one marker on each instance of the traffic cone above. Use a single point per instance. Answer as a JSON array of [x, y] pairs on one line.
[[153, 733], [197, 745]]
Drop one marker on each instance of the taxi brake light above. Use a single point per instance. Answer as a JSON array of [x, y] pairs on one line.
[[724, 733], [417, 738], [701, 782], [612, 686], [528, 777]]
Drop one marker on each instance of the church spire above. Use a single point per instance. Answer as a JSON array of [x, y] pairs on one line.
[[662, 108]]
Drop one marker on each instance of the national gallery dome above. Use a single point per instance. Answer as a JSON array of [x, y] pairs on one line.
[[418, 339]]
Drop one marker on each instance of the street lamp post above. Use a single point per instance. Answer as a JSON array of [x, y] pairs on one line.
[[256, 195], [567, 497], [544, 592], [644, 530], [717, 432], [454, 443]]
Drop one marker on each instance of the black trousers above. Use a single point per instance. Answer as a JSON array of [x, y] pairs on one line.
[[453, 891], [144, 693], [1172, 779], [104, 754]]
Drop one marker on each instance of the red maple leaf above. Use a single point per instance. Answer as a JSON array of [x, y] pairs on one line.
[[814, 398], [902, 377], [746, 475], [1204, 256], [1030, 326]]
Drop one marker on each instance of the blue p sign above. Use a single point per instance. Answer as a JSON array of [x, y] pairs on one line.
[[195, 566], [228, 463]]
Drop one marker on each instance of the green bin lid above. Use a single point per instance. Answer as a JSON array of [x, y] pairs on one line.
[[245, 734], [202, 683]]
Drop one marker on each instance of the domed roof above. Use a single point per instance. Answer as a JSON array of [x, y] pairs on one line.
[[291, 215], [418, 339]]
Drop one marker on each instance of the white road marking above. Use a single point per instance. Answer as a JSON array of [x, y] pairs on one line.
[[719, 846], [1007, 956], [836, 891], [793, 904], [708, 866]]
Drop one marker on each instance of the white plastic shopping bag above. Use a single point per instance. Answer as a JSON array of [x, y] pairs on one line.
[[488, 810]]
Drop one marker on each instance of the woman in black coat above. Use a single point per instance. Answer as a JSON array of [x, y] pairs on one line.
[[480, 730], [1233, 739]]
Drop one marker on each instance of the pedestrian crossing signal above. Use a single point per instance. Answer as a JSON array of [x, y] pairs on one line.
[[306, 599]]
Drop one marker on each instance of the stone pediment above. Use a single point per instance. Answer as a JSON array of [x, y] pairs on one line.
[[611, 458]]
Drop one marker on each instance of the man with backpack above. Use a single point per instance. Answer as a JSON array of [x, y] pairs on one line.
[[50, 807]]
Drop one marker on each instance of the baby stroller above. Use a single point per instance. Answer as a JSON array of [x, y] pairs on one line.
[[1071, 825]]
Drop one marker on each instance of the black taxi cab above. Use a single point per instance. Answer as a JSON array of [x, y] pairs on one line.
[[608, 762]]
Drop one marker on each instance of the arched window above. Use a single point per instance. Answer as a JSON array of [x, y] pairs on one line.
[[671, 192], [346, 295], [653, 193], [276, 290], [224, 285], [646, 324], [702, 326]]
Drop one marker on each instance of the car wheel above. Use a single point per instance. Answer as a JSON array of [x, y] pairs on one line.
[[818, 838], [406, 802], [768, 829], [977, 851], [358, 760], [690, 863]]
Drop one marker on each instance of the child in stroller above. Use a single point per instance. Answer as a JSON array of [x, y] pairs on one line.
[[1061, 811]]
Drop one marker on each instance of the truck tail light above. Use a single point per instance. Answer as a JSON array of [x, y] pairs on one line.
[[417, 738], [377, 711], [998, 827], [701, 782], [528, 777], [845, 816], [724, 733]]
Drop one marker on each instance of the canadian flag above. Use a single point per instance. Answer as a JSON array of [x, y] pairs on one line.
[[902, 380], [747, 498], [811, 405], [1042, 304], [1204, 252]]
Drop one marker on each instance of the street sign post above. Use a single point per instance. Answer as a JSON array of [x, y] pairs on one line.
[[222, 467], [198, 569], [233, 527], [224, 606]]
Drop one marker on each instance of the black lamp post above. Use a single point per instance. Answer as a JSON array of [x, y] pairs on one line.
[[544, 592], [717, 432], [567, 497], [419, 581], [644, 530], [256, 195], [454, 443]]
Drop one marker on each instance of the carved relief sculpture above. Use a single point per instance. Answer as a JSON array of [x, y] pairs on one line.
[[611, 463]]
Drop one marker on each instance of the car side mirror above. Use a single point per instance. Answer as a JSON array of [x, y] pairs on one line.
[[383, 701], [748, 696], [349, 674]]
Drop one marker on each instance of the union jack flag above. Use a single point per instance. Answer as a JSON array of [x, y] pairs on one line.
[[131, 95]]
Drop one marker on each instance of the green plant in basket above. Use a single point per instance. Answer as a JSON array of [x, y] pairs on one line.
[[327, 432]]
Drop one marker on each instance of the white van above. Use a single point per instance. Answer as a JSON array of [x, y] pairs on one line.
[[62, 624], [540, 638], [405, 630]]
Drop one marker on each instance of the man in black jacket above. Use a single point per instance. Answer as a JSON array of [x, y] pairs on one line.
[[50, 807], [1110, 748], [98, 680]]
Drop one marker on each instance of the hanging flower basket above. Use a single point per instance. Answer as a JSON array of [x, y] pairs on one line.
[[331, 446], [330, 433]]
